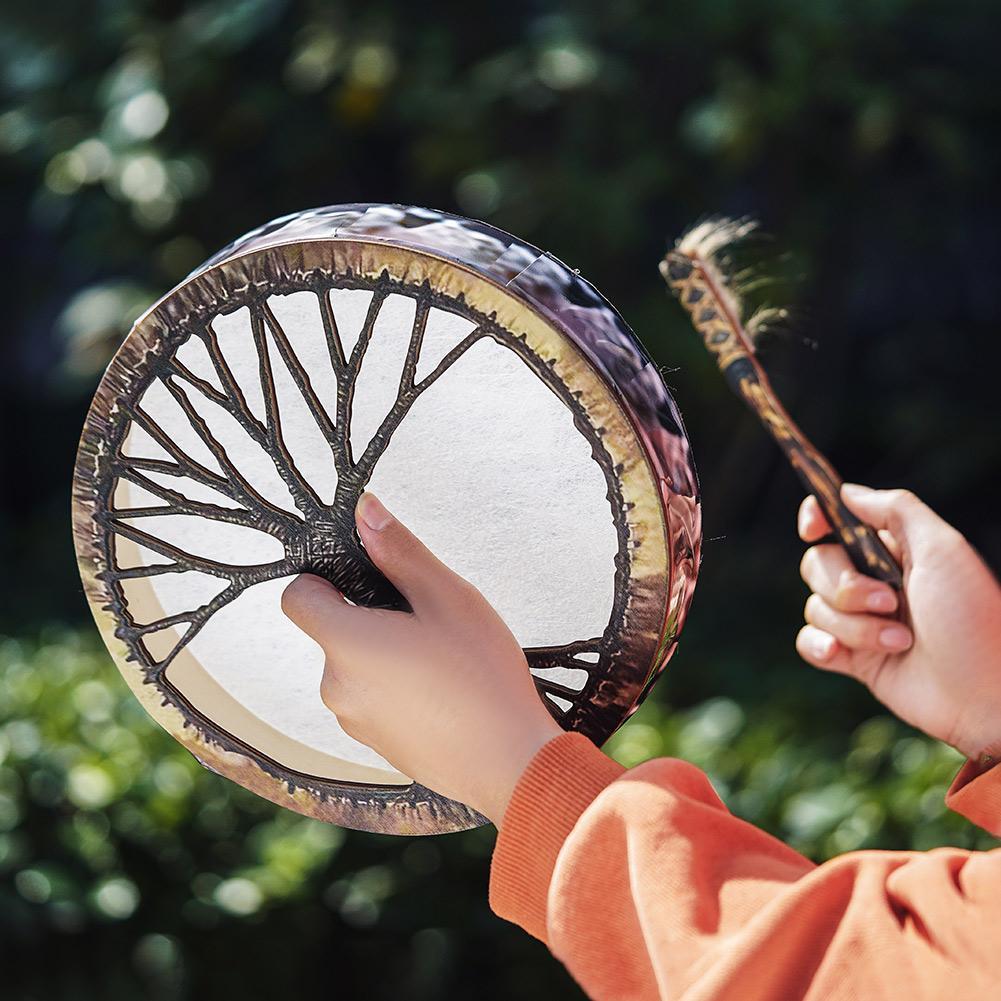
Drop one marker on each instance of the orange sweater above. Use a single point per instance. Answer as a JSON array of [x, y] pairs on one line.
[[645, 886]]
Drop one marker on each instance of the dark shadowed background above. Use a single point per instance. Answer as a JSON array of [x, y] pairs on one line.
[[136, 138]]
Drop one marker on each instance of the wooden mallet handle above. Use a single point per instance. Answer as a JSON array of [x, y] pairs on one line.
[[722, 334]]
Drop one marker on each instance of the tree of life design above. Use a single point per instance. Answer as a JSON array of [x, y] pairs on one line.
[[318, 536]]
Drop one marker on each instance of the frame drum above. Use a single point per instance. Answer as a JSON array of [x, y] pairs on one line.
[[489, 395]]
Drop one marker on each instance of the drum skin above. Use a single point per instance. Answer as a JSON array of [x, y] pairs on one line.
[[563, 330]]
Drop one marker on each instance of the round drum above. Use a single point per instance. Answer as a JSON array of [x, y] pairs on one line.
[[486, 393]]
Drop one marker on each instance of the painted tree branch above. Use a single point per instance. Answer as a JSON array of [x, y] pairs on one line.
[[305, 497], [299, 376], [183, 465], [196, 619], [202, 385], [335, 347], [550, 687], [452, 357], [188, 561], [565, 655], [348, 377], [241, 409], [234, 402], [151, 570], [379, 441], [140, 462], [243, 490], [421, 311], [178, 503]]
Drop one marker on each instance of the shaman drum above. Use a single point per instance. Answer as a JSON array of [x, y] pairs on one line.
[[489, 395]]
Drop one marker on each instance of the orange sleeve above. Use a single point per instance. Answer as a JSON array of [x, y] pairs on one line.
[[645, 886], [976, 794]]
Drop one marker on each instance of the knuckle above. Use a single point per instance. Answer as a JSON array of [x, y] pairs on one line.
[[803, 642], [329, 698], [331, 691], [856, 631], [291, 596], [867, 633], [298, 594], [466, 593], [850, 592], [808, 563], [903, 501], [816, 564], [808, 644], [810, 608], [348, 725], [944, 544]]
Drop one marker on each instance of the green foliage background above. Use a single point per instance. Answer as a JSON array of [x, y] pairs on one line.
[[138, 137]]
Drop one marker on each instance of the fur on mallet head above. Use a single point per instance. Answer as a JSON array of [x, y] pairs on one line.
[[702, 250], [676, 267]]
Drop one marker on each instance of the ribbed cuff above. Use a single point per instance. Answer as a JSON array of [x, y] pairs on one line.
[[976, 792], [555, 789]]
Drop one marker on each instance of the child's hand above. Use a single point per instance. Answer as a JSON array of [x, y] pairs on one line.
[[943, 673], [444, 694]]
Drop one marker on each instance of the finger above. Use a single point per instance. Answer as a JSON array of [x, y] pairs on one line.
[[898, 511], [316, 607], [822, 650], [348, 635], [812, 523], [829, 572], [422, 578], [857, 632], [822, 566]]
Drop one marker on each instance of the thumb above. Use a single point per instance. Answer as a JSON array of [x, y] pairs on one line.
[[899, 512], [420, 576]]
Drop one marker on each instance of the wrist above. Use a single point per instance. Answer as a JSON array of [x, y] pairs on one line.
[[978, 741], [504, 772]]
